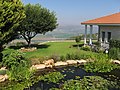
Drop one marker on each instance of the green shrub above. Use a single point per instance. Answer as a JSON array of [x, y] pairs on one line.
[[114, 53], [77, 40], [78, 56], [19, 73], [114, 43], [97, 49], [97, 83], [63, 58], [55, 89], [86, 48], [19, 67], [89, 83], [100, 65], [55, 57], [54, 77], [2, 72], [72, 85], [13, 59], [37, 60], [70, 56]]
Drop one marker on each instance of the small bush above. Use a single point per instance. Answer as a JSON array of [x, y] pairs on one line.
[[100, 64], [86, 48], [54, 77], [114, 43], [63, 58], [18, 66], [78, 56], [89, 83], [114, 53], [19, 73], [77, 40], [97, 49], [13, 59], [2, 72], [55, 57], [70, 56], [37, 60]]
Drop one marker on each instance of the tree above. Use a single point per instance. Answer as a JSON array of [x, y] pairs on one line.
[[11, 14], [38, 20], [78, 39]]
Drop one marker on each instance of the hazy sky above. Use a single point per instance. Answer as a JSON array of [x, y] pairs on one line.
[[72, 12]]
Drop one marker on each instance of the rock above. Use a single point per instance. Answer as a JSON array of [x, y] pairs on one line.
[[49, 66], [81, 61], [6, 76], [3, 68], [40, 66], [61, 63], [71, 61], [116, 61], [49, 63], [23, 49], [3, 77]]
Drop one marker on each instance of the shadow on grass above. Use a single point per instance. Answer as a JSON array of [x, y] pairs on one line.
[[32, 45], [80, 45]]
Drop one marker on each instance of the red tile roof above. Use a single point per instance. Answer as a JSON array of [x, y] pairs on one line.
[[106, 20]]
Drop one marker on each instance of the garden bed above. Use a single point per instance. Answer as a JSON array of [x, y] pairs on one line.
[[75, 73]]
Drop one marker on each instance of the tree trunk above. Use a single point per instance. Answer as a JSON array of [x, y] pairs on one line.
[[29, 43]]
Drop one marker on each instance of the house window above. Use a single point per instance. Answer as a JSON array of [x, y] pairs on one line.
[[109, 36], [103, 36]]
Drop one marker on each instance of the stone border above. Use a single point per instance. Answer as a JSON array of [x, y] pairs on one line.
[[115, 61], [50, 64]]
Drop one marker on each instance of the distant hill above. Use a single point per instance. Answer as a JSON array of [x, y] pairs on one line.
[[60, 33], [67, 31]]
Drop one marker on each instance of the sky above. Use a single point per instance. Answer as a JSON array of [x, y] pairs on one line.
[[73, 12]]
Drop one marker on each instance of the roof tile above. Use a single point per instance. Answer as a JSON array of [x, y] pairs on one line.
[[110, 19]]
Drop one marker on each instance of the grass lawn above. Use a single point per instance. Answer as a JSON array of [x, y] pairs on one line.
[[51, 48], [56, 48]]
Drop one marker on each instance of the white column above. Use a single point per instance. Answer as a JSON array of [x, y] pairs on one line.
[[106, 37], [85, 37], [99, 35], [100, 38], [91, 29]]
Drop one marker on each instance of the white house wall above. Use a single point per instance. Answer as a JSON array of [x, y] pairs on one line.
[[115, 31]]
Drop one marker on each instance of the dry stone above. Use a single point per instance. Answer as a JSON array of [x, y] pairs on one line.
[[81, 61], [61, 63], [40, 66], [116, 61], [71, 62]]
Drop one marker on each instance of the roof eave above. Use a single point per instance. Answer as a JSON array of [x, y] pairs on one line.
[[100, 24]]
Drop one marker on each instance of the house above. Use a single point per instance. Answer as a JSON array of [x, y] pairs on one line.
[[108, 28]]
